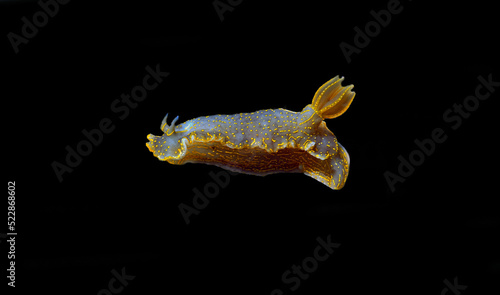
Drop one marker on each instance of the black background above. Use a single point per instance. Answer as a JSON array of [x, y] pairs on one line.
[[119, 207]]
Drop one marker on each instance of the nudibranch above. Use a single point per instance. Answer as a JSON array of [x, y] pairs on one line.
[[265, 142]]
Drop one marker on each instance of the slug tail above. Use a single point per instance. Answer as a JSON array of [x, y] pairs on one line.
[[332, 99]]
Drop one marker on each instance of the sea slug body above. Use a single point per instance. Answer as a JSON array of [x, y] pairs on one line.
[[265, 141]]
